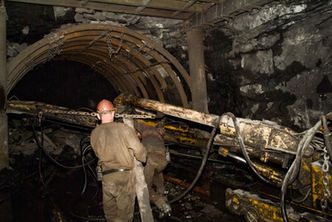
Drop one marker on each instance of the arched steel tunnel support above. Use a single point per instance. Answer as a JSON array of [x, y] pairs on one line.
[[133, 63]]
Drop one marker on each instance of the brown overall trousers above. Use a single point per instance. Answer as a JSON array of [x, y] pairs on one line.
[[116, 145]]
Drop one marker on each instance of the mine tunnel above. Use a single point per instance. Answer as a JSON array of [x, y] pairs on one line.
[[224, 107]]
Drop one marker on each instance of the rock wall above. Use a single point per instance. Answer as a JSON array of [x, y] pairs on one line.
[[271, 62], [274, 63]]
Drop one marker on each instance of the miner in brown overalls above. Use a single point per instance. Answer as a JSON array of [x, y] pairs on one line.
[[152, 139], [116, 145]]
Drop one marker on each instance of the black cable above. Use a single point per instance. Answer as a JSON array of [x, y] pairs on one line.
[[85, 149], [303, 199], [294, 168], [92, 172], [41, 177], [204, 160], [85, 176], [53, 159], [244, 151]]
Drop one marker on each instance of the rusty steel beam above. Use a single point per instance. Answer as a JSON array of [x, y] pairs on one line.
[[103, 6], [156, 4]]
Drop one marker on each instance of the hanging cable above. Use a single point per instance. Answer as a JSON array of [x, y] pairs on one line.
[[85, 176], [294, 168], [203, 163], [84, 164], [41, 177], [244, 151], [52, 158], [303, 198]]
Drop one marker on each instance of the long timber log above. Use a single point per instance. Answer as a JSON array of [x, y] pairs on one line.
[[255, 133], [260, 137]]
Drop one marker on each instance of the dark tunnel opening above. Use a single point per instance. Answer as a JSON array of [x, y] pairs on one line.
[[64, 83]]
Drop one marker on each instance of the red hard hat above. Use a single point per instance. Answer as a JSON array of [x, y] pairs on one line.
[[105, 106]]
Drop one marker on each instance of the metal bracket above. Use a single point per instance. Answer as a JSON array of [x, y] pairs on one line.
[[108, 39], [55, 45]]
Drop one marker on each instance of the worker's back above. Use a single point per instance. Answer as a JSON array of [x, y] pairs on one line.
[[114, 144]]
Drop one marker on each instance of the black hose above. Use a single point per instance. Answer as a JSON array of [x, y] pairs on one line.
[[294, 168], [83, 152], [41, 177], [298, 201], [200, 170], [85, 175], [244, 151], [50, 157]]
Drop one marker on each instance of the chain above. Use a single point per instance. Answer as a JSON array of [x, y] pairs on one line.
[[109, 45], [325, 169], [111, 51], [120, 45], [55, 45], [135, 116], [94, 114], [70, 112]]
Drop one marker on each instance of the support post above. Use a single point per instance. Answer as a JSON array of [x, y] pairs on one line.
[[197, 69], [4, 159]]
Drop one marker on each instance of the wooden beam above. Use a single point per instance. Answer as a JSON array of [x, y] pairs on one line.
[[141, 8], [197, 69], [222, 10], [164, 13], [189, 4], [158, 4]]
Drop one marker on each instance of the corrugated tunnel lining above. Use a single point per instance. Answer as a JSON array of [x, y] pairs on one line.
[[131, 62]]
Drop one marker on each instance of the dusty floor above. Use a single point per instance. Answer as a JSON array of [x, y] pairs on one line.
[[62, 196]]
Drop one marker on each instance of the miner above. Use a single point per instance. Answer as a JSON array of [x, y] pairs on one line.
[[152, 139], [116, 145]]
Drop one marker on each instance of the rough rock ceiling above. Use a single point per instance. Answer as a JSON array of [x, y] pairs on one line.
[[195, 12]]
